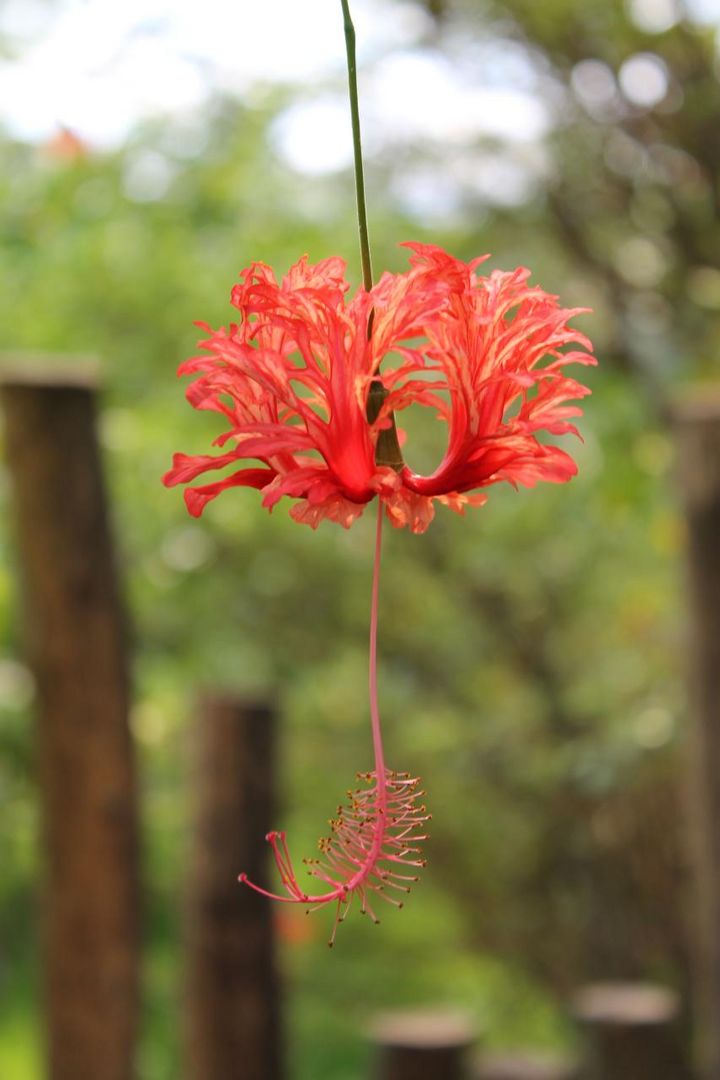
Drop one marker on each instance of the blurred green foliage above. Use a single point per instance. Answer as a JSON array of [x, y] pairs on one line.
[[531, 654]]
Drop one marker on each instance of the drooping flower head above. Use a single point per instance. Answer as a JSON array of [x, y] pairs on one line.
[[299, 382], [308, 385]]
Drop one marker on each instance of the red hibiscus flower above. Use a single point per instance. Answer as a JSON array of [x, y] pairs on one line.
[[298, 381]]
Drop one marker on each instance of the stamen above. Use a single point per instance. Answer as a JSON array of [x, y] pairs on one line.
[[359, 854]]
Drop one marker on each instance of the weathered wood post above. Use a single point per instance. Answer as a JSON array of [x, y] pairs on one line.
[[233, 994], [631, 1032], [76, 642], [423, 1044], [528, 1066], [697, 428]]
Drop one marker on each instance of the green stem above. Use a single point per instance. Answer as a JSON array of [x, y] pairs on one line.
[[357, 147], [387, 449]]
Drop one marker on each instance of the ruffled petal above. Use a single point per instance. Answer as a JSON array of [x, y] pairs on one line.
[[187, 467], [197, 498], [335, 508], [406, 509], [285, 378], [489, 342]]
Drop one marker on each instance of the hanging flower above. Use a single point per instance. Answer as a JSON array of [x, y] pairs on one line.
[[310, 414]]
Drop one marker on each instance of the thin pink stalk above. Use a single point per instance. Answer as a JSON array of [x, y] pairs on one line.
[[374, 708]]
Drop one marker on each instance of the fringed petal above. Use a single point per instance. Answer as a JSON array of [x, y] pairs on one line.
[[489, 342], [334, 508], [197, 498]]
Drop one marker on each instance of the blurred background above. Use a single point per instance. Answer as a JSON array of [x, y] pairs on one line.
[[532, 654]]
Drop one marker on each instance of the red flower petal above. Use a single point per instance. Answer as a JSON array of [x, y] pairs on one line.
[[197, 498]]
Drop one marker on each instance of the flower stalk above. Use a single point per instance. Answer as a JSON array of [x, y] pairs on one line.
[[387, 449], [357, 148]]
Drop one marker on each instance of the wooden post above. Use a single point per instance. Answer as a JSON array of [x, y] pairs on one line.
[[631, 1032], [423, 1044], [76, 643], [528, 1066], [233, 996], [697, 427]]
